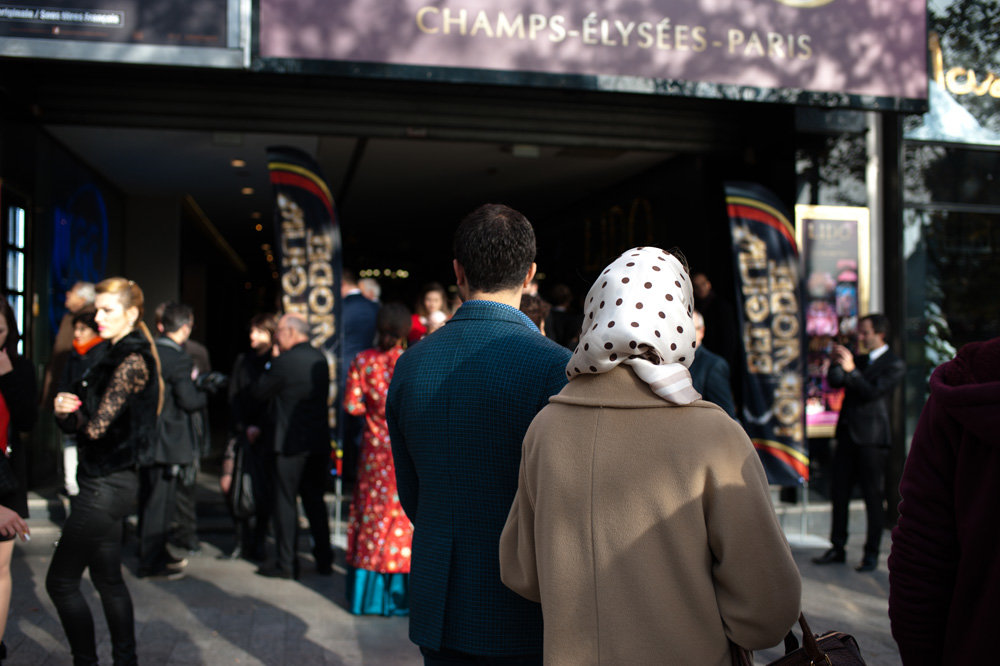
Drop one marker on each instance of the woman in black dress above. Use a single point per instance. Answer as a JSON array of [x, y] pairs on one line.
[[112, 411]]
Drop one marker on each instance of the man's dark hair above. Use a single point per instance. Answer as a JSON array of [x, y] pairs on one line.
[[880, 323], [393, 323], [175, 315], [495, 245], [348, 276]]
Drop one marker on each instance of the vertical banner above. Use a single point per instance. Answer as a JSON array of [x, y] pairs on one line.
[[768, 296], [834, 248], [310, 255]]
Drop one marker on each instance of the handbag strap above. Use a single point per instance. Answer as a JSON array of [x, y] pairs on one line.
[[809, 644]]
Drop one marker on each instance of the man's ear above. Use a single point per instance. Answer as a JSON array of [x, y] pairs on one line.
[[459, 273], [530, 276]]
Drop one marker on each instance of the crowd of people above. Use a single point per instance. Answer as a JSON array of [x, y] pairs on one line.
[[614, 487]]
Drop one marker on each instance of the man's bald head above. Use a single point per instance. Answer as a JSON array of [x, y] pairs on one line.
[[293, 329]]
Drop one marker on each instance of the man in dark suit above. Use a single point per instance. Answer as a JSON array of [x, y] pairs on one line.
[[863, 434], [710, 372], [175, 448], [295, 386], [357, 315], [459, 405]]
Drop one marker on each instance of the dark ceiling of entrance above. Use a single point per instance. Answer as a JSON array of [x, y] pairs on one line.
[[397, 198]]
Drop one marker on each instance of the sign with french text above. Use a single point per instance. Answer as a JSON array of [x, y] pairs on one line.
[[857, 47], [160, 22]]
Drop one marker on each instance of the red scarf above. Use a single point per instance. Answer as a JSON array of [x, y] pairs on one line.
[[87, 346], [4, 424]]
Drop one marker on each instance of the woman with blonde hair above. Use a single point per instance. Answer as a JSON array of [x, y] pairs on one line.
[[642, 521], [112, 410]]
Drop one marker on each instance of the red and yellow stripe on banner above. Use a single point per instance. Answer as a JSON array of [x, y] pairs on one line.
[[751, 209], [786, 454], [283, 173]]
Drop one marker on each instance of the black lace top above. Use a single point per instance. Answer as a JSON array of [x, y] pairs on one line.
[[129, 378], [117, 419]]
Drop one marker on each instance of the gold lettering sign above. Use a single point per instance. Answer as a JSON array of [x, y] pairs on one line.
[[961, 80]]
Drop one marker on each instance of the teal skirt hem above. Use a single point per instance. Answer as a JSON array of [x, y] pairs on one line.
[[373, 593]]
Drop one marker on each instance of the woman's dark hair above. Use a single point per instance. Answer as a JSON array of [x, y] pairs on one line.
[[265, 321], [13, 337], [393, 324], [87, 315], [426, 289], [536, 309]]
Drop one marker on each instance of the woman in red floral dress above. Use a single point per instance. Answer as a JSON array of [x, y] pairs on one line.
[[379, 534]]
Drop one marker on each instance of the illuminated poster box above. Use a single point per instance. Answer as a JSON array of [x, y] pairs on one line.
[[833, 242]]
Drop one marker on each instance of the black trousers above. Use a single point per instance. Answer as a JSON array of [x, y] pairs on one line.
[[92, 539], [853, 464], [157, 493], [305, 475], [185, 533]]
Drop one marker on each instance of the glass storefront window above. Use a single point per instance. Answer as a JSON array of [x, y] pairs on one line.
[[952, 256]]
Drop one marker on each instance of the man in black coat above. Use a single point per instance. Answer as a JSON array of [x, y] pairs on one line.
[[710, 372], [175, 447], [357, 316], [295, 387], [863, 434]]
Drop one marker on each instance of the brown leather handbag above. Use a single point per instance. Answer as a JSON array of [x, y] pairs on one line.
[[833, 648]]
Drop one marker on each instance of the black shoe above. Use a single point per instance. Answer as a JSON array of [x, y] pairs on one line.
[[868, 563], [275, 572], [831, 556]]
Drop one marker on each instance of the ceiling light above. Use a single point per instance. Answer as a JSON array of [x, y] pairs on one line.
[[247, 190], [238, 163], [255, 215], [259, 227]]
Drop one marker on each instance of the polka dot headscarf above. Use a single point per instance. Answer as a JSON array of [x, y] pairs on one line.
[[639, 312]]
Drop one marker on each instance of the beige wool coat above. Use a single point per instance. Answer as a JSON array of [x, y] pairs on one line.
[[646, 530]]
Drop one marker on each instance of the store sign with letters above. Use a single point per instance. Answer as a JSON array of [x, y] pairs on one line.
[[857, 47]]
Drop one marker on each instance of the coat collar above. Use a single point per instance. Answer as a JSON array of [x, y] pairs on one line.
[[619, 388]]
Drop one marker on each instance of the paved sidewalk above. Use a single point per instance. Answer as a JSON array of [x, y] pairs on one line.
[[223, 613]]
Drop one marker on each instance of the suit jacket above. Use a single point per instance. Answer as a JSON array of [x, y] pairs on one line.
[[458, 407], [177, 441], [296, 387], [358, 324], [710, 376], [864, 415]]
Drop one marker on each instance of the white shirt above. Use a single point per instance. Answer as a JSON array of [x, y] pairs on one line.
[[875, 353]]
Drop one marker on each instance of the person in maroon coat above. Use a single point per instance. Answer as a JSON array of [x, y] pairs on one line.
[[944, 568]]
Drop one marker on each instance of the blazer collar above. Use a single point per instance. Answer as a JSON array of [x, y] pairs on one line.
[[492, 310]]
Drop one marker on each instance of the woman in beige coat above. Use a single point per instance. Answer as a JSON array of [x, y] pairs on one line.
[[642, 521]]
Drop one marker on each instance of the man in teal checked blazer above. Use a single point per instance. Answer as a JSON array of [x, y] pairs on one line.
[[459, 405]]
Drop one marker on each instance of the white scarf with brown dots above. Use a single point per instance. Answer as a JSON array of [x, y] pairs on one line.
[[639, 312]]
